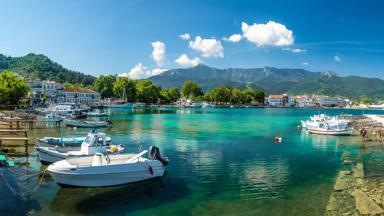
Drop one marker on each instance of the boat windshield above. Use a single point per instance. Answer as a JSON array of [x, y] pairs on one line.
[[88, 139]]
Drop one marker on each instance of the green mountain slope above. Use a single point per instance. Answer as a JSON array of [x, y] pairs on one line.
[[275, 81], [34, 66]]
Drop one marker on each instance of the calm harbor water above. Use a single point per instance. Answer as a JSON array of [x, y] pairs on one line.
[[223, 161]]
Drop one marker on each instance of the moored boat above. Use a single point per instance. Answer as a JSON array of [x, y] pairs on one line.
[[327, 131], [108, 170], [94, 142], [97, 114], [50, 118], [86, 124]]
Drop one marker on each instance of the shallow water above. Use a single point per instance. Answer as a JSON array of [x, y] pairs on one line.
[[223, 161]]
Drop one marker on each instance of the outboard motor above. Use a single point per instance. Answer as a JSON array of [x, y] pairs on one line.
[[154, 154]]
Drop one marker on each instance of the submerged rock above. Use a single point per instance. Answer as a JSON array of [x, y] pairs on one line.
[[366, 205], [358, 170]]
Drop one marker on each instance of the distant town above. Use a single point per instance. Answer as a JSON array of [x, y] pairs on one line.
[[52, 93]]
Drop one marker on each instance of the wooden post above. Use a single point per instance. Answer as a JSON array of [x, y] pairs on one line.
[[18, 124]]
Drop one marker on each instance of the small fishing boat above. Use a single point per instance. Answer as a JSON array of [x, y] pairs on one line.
[[50, 118], [108, 170], [327, 131], [66, 141], [94, 142], [97, 114], [119, 105], [86, 124]]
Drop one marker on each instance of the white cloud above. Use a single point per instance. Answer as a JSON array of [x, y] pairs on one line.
[[337, 58], [294, 50], [139, 71], [185, 61], [158, 53], [269, 34], [207, 47], [305, 63], [185, 36], [234, 38]]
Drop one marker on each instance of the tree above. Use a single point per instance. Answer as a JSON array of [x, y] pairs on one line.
[[258, 95], [191, 90], [12, 88], [366, 100], [147, 92], [238, 96], [220, 95], [125, 88], [170, 95], [104, 85]]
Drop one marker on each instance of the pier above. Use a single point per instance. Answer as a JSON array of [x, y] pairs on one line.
[[15, 139]]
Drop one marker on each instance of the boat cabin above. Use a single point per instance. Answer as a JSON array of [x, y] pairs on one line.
[[94, 142]]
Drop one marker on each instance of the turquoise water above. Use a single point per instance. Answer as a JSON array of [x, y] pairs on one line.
[[223, 161]]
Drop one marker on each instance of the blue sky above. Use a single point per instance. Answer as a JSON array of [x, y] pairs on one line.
[[108, 37]]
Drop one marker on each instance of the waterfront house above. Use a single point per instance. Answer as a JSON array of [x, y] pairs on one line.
[[328, 101], [275, 100], [47, 92], [50, 93], [283, 100], [75, 95]]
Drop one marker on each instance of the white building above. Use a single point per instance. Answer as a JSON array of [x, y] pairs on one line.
[[327, 101], [275, 100], [81, 96], [55, 93]]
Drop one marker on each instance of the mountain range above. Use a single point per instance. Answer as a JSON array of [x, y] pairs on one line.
[[275, 81], [272, 80], [33, 66]]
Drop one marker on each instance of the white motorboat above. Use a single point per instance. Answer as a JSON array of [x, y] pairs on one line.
[[119, 105], [327, 131], [108, 170], [49, 118], [97, 114], [94, 142], [86, 124]]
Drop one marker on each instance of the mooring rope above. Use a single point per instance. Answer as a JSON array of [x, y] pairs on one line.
[[41, 181]]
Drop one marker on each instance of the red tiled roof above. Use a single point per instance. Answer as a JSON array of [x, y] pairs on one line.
[[276, 96], [80, 90]]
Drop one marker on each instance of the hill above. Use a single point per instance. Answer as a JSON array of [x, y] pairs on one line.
[[34, 66], [275, 81]]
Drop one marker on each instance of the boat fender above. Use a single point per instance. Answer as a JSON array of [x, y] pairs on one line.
[[150, 170]]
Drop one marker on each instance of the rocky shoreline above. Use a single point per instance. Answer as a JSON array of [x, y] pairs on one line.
[[354, 194]]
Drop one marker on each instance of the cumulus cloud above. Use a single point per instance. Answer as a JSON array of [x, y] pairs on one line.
[[139, 71], [185, 36], [185, 61], [158, 53], [234, 38], [207, 47], [305, 63], [269, 34], [337, 58], [294, 50]]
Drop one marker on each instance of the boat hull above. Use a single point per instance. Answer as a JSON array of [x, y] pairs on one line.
[[48, 157], [104, 176], [344, 132], [59, 141], [126, 105], [82, 124]]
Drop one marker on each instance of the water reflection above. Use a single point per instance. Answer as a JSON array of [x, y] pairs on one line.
[[114, 200]]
